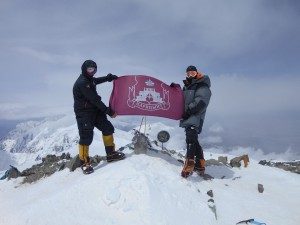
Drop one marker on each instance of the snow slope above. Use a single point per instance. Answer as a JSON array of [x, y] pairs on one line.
[[146, 189]]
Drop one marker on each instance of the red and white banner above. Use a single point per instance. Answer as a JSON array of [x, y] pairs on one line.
[[145, 95]]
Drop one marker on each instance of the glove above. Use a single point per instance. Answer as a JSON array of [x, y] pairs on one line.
[[110, 112], [110, 77], [186, 115]]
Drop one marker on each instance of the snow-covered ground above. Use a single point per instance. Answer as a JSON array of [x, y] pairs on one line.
[[142, 189]]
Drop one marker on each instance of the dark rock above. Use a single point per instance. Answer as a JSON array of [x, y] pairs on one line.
[[65, 156], [31, 170], [236, 162], [74, 163], [141, 143], [121, 149], [96, 160], [210, 193], [260, 188], [13, 172], [213, 162], [68, 156], [50, 159], [38, 158], [293, 166], [58, 148], [223, 159], [39, 171], [206, 176], [50, 164], [62, 166], [173, 152], [235, 178], [263, 162]]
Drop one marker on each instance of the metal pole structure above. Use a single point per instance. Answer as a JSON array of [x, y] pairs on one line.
[[141, 124]]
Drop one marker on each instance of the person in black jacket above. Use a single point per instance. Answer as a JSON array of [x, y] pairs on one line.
[[91, 112]]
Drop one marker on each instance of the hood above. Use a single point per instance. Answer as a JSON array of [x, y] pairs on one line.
[[86, 64], [205, 80]]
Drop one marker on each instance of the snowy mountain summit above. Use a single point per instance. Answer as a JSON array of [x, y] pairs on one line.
[[142, 189]]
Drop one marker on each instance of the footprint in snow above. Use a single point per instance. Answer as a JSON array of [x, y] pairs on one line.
[[112, 196]]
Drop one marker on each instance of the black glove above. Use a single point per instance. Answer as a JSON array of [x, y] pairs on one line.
[[110, 77], [172, 85], [109, 111], [186, 114]]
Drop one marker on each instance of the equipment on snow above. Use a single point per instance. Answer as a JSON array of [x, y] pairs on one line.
[[252, 221]]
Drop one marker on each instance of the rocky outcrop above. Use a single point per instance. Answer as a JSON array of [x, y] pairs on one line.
[[223, 159], [213, 162], [293, 166], [13, 172], [141, 143], [49, 165], [236, 162]]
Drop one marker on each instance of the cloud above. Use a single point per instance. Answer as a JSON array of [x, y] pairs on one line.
[[216, 128], [47, 56], [9, 111], [42, 49], [234, 94], [233, 36]]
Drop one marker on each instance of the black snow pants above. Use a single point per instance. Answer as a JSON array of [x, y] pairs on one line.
[[193, 146], [86, 121]]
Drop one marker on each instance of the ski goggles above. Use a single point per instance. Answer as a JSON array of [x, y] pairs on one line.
[[191, 73], [90, 69]]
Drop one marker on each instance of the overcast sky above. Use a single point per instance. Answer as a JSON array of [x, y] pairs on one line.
[[250, 49]]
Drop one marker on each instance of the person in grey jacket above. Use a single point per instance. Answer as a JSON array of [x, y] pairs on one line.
[[197, 94]]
